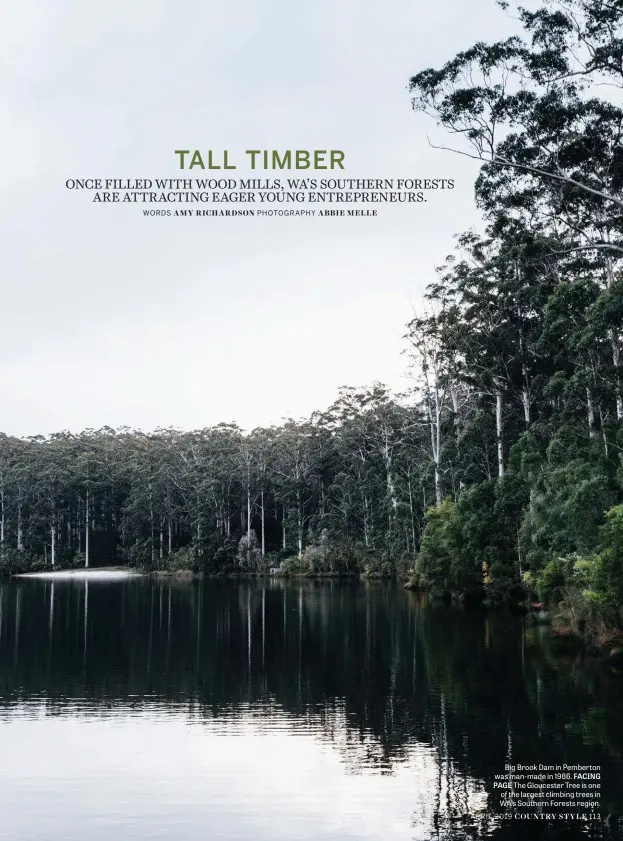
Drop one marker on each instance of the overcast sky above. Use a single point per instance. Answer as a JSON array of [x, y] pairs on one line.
[[110, 318]]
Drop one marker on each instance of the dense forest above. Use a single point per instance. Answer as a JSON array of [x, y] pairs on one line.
[[500, 473]]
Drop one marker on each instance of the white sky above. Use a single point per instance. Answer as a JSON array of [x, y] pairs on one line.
[[110, 318]]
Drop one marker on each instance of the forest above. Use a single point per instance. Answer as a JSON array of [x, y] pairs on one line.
[[499, 474]]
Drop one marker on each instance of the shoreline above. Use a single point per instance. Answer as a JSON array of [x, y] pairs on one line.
[[81, 574]]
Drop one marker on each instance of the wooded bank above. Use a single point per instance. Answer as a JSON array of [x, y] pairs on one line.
[[499, 474]]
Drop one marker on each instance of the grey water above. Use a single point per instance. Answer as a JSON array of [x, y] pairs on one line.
[[157, 709]]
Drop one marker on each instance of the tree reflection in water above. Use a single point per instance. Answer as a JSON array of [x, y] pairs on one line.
[[378, 673]]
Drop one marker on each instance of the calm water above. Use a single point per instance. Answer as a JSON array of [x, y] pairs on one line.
[[163, 710]]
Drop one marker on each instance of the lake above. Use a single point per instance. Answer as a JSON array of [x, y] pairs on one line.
[[157, 709]]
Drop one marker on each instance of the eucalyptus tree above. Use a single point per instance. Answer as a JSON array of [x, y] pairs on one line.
[[588, 32], [578, 381], [6, 459], [294, 468], [358, 487], [262, 444], [247, 480], [86, 463], [435, 365], [520, 107], [569, 221], [50, 471], [165, 443], [385, 431], [193, 476], [19, 486]]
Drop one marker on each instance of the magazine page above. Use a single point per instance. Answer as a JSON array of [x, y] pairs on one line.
[[311, 438]]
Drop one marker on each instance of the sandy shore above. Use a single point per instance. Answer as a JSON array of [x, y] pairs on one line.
[[82, 574]]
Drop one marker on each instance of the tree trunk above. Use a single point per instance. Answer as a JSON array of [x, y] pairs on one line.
[[151, 523], [248, 527], [170, 536], [435, 440], [590, 409], [456, 423], [603, 430], [299, 522], [616, 361], [20, 532], [2, 522], [86, 531], [525, 399], [614, 344], [391, 489], [437, 484], [53, 545], [525, 390], [412, 515], [498, 432], [263, 525]]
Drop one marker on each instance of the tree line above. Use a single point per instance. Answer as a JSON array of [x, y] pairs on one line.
[[342, 491], [499, 473]]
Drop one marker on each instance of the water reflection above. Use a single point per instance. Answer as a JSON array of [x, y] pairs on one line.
[[365, 688]]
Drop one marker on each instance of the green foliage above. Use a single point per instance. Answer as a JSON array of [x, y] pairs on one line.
[[317, 557], [551, 580], [533, 309], [469, 547], [184, 558], [249, 556], [568, 500], [607, 575], [588, 590], [13, 562], [293, 566], [77, 561], [439, 545]]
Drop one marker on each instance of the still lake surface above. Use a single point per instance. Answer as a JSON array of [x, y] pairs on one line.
[[155, 709]]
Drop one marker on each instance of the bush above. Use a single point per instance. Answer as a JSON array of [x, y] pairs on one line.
[[567, 504], [13, 562], [588, 590], [137, 554], [438, 547], [77, 561], [317, 557], [581, 611], [292, 566], [184, 558], [249, 555], [552, 579]]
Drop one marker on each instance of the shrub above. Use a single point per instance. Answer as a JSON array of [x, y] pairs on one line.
[[292, 566], [249, 555], [317, 557]]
